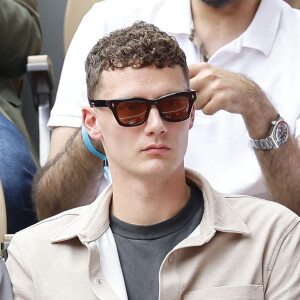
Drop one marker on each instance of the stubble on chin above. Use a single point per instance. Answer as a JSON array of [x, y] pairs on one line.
[[219, 3]]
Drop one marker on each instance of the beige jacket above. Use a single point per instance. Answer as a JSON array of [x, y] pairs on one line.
[[244, 248]]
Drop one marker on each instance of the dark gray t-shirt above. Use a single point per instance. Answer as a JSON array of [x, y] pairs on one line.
[[143, 248]]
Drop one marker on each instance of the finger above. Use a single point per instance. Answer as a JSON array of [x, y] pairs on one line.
[[211, 107], [204, 93], [193, 70], [203, 98], [200, 76], [198, 83]]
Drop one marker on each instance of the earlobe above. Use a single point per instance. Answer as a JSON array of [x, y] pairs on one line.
[[90, 121]]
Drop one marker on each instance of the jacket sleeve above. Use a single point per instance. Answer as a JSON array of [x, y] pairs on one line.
[[19, 272], [284, 267], [20, 35]]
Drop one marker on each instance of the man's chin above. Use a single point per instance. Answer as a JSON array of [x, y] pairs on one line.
[[158, 169]]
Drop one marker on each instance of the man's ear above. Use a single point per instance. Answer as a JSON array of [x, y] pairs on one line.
[[90, 121], [192, 118]]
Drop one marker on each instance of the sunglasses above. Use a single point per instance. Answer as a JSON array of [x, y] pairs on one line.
[[129, 112]]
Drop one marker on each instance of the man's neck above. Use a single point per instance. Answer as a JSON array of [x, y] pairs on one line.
[[216, 27], [149, 200]]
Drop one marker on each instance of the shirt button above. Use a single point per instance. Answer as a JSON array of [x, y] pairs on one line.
[[98, 281], [171, 258]]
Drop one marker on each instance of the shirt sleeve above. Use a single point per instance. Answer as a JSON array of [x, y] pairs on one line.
[[72, 93], [19, 272], [284, 268]]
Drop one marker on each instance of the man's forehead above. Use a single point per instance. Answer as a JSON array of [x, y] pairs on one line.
[[148, 82]]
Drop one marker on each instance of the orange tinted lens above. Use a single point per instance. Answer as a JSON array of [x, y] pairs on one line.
[[131, 112], [174, 108]]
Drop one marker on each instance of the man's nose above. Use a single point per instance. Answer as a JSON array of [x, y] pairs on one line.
[[155, 124]]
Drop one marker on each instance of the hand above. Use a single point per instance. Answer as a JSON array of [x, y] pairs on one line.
[[219, 89]]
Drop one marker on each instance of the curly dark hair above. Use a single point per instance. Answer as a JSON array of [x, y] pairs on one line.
[[137, 46]]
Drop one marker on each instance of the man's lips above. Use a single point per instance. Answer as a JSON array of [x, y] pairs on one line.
[[156, 148]]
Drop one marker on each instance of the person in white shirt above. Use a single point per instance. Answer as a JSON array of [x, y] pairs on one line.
[[223, 40]]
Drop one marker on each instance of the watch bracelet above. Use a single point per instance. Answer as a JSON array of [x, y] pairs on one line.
[[264, 144], [269, 142]]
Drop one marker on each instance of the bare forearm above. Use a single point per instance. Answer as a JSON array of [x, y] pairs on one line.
[[281, 169], [68, 180]]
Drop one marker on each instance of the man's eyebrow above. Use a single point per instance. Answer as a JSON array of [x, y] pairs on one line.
[[160, 96]]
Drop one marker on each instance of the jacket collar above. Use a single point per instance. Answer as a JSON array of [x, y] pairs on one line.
[[93, 220], [218, 215]]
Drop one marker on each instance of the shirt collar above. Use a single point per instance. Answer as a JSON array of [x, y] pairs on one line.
[[174, 16], [260, 34], [92, 220], [262, 31]]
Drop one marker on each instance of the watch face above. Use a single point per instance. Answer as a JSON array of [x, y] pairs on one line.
[[281, 133]]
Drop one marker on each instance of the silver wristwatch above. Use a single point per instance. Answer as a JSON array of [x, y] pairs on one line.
[[277, 137]]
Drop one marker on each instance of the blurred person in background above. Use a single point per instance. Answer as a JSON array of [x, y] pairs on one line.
[[5, 285], [20, 36]]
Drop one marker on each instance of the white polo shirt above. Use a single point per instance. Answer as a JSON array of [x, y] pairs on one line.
[[267, 52]]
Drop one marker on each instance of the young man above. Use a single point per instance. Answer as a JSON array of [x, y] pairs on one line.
[[241, 37], [159, 231]]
